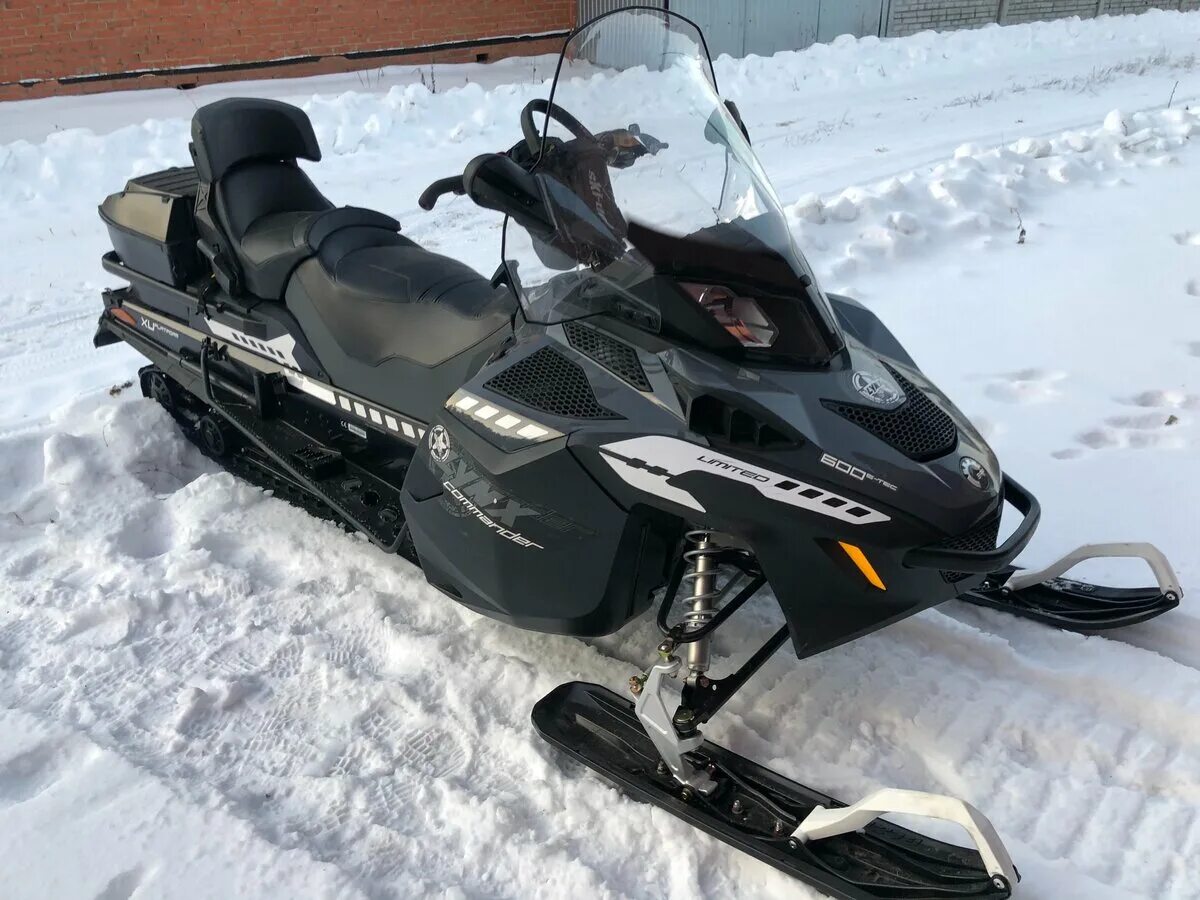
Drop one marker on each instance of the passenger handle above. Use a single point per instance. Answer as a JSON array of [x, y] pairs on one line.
[[451, 185]]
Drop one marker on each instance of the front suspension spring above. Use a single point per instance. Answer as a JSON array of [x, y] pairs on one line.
[[702, 559]]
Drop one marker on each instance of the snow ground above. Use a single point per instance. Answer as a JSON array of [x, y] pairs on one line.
[[204, 692]]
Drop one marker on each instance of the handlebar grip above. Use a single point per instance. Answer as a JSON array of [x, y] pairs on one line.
[[451, 185]]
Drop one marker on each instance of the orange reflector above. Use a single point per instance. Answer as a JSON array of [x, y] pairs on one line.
[[864, 565], [122, 316]]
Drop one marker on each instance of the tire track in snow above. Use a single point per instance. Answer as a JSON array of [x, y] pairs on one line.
[[48, 320], [200, 747], [1171, 713], [983, 736]]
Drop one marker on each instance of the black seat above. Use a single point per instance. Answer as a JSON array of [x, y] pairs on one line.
[[379, 295], [261, 204], [390, 319], [268, 211], [385, 317]]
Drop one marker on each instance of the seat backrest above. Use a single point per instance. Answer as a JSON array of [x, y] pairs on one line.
[[245, 150], [243, 129], [252, 190]]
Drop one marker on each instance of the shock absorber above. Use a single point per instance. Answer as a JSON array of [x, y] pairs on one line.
[[702, 578]]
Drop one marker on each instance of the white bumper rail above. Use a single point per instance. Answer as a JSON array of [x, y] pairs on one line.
[[824, 823], [1168, 581]]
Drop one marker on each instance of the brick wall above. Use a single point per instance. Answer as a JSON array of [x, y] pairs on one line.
[[55, 47], [43, 42], [911, 16]]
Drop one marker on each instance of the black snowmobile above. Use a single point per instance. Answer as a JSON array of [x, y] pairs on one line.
[[652, 400]]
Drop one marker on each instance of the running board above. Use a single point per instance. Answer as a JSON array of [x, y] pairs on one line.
[[1045, 596], [287, 460], [846, 852]]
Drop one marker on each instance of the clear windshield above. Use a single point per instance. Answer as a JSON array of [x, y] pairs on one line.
[[648, 173]]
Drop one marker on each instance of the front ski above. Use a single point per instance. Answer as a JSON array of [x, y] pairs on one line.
[[1046, 596], [843, 851]]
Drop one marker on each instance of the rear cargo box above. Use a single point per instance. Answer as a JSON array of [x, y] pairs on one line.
[[151, 226]]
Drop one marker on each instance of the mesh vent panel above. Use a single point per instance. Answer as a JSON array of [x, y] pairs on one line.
[[982, 537], [618, 358], [917, 427], [548, 381]]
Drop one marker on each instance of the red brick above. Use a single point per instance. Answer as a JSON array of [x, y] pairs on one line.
[[48, 41]]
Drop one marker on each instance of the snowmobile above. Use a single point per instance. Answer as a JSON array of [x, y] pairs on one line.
[[652, 400]]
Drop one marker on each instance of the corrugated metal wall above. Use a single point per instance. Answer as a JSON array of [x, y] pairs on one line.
[[723, 24], [763, 27], [623, 48], [773, 26], [856, 17]]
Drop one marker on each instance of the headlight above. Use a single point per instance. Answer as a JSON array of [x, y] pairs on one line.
[[740, 316]]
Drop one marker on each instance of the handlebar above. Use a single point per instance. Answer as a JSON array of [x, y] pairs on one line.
[[622, 147], [533, 137], [451, 185]]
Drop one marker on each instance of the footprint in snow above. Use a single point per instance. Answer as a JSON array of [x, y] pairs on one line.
[[28, 774], [1162, 426], [1132, 436], [1026, 386], [1166, 399], [147, 532], [393, 759], [122, 886], [1188, 238]]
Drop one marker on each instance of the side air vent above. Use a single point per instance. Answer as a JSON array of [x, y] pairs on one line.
[[548, 381], [714, 418], [981, 537], [917, 427], [618, 358]]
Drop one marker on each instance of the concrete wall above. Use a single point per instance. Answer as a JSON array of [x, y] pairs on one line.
[[1121, 7], [1019, 11], [911, 16]]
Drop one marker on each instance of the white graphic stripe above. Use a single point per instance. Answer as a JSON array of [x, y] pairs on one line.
[[648, 463], [282, 348], [378, 416], [655, 483], [310, 387]]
